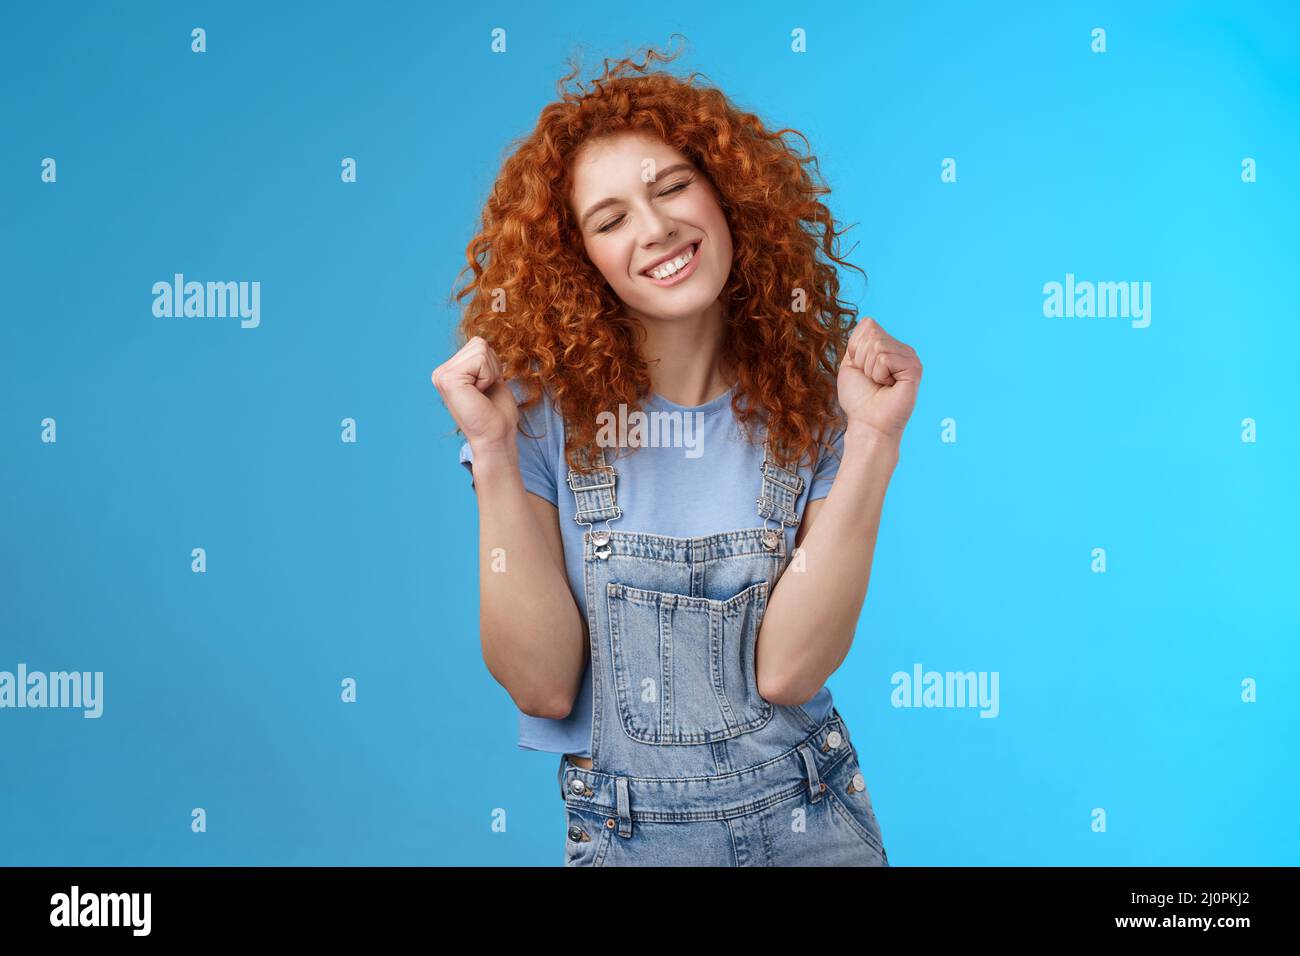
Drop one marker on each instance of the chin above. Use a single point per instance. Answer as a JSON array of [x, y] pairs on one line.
[[678, 313], [684, 308]]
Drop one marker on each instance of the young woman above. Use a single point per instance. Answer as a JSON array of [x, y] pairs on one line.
[[665, 596]]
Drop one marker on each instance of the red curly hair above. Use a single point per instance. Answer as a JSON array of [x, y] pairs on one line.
[[566, 330]]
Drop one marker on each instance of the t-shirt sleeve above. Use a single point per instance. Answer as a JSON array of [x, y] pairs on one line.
[[536, 464], [827, 467]]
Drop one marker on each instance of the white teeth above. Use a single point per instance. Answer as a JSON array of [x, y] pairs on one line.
[[669, 268]]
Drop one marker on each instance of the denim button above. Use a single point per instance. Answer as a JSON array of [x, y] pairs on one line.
[[577, 834], [859, 782], [577, 786], [833, 739], [771, 540]]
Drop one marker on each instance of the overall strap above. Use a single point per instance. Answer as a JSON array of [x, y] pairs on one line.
[[594, 500], [778, 497]]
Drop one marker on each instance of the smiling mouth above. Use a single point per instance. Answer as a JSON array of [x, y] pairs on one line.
[[682, 273]]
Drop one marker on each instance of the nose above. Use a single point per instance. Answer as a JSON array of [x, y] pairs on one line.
[[659, 228]]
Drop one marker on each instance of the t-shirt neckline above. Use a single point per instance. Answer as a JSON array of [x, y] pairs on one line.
[[712, 404]]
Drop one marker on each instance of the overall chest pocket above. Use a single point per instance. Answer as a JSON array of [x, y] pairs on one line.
[[684, 667]]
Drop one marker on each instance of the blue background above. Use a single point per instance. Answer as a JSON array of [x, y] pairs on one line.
[[328, 560]]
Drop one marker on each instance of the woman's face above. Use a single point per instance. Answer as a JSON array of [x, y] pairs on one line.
[[638, 201]]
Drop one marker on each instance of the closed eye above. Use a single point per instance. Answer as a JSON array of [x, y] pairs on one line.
[[670, 191]]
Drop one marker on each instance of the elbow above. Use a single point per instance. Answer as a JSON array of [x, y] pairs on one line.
[[532, 699], [538, 687], [549, 708], [780, 690]]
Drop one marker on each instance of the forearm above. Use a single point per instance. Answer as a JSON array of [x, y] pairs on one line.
[[813, 613], [531, 631]]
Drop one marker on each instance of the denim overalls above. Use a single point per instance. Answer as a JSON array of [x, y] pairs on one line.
[[690, 766]]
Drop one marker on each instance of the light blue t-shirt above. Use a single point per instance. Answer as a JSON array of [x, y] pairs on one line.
[[705, 485]]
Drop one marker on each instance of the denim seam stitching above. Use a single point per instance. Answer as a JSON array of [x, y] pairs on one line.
[[848, 817]]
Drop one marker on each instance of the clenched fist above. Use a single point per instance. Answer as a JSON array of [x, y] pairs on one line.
[[483, 405], [877, 380]]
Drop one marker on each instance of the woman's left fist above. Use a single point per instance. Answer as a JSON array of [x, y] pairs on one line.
[[877, 380]]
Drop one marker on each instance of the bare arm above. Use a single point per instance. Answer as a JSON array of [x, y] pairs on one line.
[[533, 638], [812, 615]]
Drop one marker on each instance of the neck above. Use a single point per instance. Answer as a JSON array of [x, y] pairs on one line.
[[684, 356]]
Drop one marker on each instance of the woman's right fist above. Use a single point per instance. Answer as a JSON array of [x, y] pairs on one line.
[[477, 396]]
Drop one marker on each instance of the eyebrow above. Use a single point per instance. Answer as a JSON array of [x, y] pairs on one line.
[[609, 201]]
